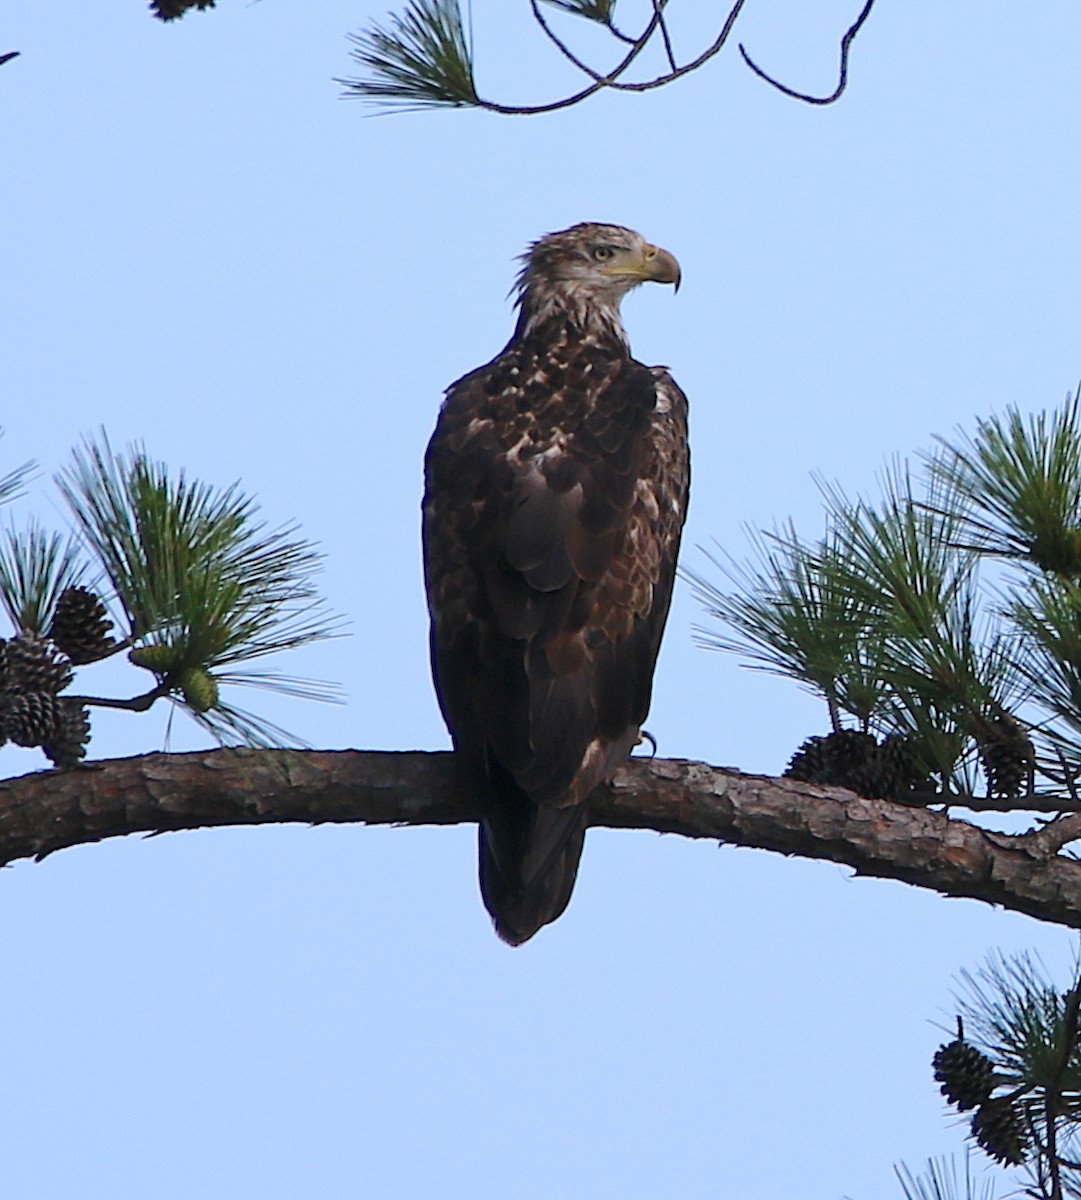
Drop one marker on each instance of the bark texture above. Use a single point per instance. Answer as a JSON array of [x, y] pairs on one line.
[[50, 810]]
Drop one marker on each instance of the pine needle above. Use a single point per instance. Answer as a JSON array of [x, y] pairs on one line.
[[205, 585], [1047, 614], [13, 484], [1013, 1012], [232, 726], [422, 60], [1017, 484], [593, 10], [904, 554], [35, 567], [794, 613], [941, 1181], [883, 619]]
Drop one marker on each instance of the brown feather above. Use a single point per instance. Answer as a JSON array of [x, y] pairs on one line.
[[556, 489]]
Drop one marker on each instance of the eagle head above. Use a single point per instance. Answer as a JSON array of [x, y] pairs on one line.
[[584, 272]]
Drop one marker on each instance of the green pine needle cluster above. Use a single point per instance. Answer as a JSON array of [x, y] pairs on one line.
[[941, 1180], [13, 484], [1018, 1017], [1016, 486], [422, 59], [880, 618], [192, 565], [897, 619], [1028, 1028], [204, 586], [793, 613], [593, 10], [35, 568], [202, 591]]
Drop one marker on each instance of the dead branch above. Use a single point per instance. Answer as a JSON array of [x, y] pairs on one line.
[[842, 80]]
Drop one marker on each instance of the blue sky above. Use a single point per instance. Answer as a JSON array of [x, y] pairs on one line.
[[207, 250]]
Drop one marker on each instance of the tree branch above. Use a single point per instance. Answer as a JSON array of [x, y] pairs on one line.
[[1050, 838], [658, 8], [138, 703], [562, 46], [842, 81], [614, 78], [155, 793], [715, 47], [599, 81]]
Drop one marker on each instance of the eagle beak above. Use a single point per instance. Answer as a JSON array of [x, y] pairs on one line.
[[661, 267]]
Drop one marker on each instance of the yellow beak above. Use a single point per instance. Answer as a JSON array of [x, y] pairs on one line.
[[661, 267]]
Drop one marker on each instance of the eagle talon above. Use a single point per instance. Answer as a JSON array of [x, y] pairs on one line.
[[645, 736]]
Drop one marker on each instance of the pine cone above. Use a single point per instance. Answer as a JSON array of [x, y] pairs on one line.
[[80, 627], [833, 759], [857, 761], [158, 657], [965, 1074], [199, 688], [31, 718], [31, 665], [999, 1132], [67, 746], [1006, 755], [902, 767], [890, 771]]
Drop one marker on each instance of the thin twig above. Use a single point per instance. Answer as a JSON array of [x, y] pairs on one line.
[[658, 8], [561, 45], [618, 33], [132, 704], [835, 714], [714, 48], [114, 647], [842, 81], [1055, 834], [513, 110], [639, 43], [613, 78], [1035, 802], [1069, 778]]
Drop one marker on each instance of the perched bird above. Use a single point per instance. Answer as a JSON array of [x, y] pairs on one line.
[[555, 493]]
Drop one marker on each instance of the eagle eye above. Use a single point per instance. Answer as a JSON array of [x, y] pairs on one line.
[[602, 253]]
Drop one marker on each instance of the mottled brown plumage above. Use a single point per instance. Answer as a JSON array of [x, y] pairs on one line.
[[556, 490]]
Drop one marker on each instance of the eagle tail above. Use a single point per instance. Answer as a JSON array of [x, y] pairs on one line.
[[529, 857]]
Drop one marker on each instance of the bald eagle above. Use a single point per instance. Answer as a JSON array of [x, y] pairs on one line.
[[555, 493]]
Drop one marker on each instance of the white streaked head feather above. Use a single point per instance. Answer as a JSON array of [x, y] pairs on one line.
[[574, 275]]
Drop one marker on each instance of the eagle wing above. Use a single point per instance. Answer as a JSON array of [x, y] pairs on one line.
[[556, 489]]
